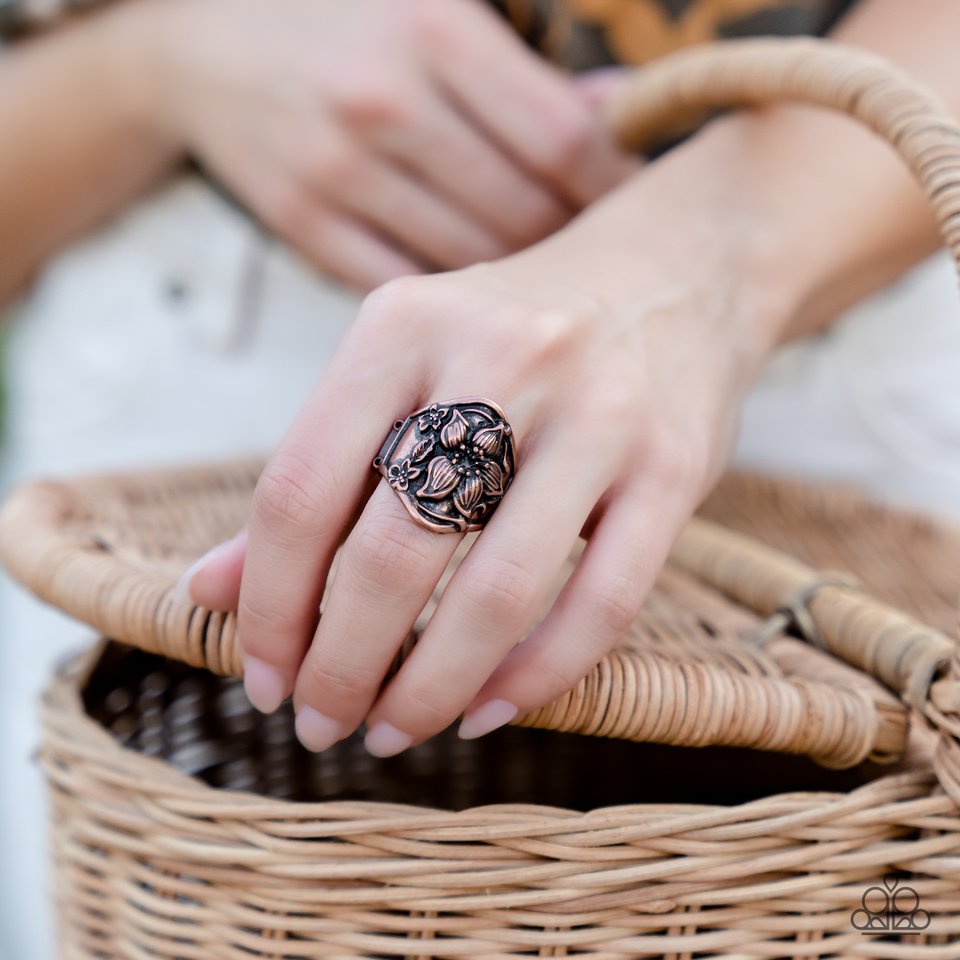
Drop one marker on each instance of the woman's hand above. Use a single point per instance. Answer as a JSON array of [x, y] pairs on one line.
[[381, 137], [619, 349]]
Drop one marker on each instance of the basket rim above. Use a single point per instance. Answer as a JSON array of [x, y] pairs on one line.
[[63, 694]]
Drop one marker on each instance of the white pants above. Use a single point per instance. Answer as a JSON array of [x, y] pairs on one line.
[[181, 333]]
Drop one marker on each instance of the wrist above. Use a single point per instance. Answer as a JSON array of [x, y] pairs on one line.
[[687, 233], [129, 41]]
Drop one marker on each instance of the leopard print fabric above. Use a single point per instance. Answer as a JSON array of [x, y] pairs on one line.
[[580, 34]]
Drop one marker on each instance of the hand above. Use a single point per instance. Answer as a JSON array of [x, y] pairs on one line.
[[620, 365], [380, 137]]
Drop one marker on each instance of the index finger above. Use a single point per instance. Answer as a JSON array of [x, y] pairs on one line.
[[305, 501]]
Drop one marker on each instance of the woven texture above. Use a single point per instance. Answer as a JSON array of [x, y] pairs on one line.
[[184, 826], [109, 550]]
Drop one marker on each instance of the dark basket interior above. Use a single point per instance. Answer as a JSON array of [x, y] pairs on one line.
[[204, 726]]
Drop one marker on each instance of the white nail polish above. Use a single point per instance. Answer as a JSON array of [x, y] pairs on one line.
[[487, 717], [181, 589], [385, 740], [264, 685], [317, 731]]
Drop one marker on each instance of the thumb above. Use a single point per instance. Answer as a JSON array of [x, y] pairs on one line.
[[214, 580]]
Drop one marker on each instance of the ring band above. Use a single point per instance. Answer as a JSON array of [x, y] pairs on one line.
[[450, 463]]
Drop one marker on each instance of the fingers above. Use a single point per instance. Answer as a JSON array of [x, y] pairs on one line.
[[346, 248], [385, 574], [532, 110], [493, 599], [414, 217], [336, 241], [498, 192], [305, 499], [595, 608]]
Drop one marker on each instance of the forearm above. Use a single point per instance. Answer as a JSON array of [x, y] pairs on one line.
[[810, 210], [849, 216], [79, 138]]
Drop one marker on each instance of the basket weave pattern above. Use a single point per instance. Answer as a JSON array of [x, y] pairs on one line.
[[305, 856]]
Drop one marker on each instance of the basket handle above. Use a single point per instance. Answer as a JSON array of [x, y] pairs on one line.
[[749, 73], [919, 663]]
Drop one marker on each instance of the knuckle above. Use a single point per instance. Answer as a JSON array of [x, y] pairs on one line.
[[500, 591], [614, 400], [427, 711], [548, 336], [293, 492], [338, 165], [397, 314], [262, 624], [613, 605], [555, 679], [335, 681], [679, 464], [394, 300], [366, 99], [386, 554], [430, 20]]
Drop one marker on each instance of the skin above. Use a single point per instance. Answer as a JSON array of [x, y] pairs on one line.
[[344, 126], [621, 369]]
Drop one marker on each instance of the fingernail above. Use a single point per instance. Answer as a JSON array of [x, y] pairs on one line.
[[315, 731], [385, 740], [264, 685], [181, 589], [487, 717]]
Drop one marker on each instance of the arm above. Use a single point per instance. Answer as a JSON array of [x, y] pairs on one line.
[[78, 140], [344, 126], [844, 216], [620, 348]]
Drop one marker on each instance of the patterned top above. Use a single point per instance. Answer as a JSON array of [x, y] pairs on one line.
[[579, 34]]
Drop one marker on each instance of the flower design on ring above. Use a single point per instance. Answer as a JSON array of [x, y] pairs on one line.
[[467, 467], [432, 419], [400, 474]]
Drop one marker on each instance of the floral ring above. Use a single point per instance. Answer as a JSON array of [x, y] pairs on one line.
[[450, 463]]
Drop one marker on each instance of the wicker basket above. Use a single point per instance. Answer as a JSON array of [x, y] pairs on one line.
[[186, 826]]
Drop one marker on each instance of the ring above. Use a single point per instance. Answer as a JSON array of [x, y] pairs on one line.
[[450, 463]]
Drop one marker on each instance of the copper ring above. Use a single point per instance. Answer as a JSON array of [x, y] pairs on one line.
[[450, 463]]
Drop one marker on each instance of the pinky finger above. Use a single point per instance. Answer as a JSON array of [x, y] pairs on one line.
[[593, 611]]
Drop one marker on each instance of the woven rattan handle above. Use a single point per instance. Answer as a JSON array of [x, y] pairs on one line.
[[904, 654], [756, 72]]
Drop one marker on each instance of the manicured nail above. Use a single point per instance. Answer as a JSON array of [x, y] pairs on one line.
[[315, 731], [487, 717], [264, 685], [385, 740], [181, 589]]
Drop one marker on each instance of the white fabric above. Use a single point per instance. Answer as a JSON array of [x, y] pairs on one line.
[[181, 333]]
